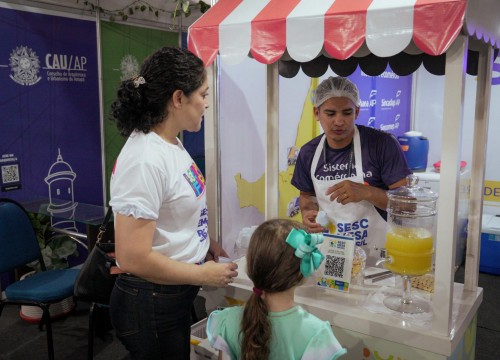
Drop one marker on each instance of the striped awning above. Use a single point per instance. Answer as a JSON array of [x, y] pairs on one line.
[[303, 30]]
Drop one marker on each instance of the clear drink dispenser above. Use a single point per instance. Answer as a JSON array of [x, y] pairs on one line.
[[409, 248]]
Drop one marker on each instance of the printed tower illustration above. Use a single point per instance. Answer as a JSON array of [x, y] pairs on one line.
[[62, 204]]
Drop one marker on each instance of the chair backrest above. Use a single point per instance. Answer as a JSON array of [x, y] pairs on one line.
[[18, 242]]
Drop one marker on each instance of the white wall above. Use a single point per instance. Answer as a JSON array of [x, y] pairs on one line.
[[242, 132], [428, 112]]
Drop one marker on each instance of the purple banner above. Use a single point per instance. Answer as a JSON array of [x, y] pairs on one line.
[[495, 78], [50, 139], [385, 101]]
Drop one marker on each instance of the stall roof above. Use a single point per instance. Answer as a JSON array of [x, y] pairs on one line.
[[368, 33]]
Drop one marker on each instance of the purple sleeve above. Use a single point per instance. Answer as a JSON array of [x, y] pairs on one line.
[[301, 178], [384, 162], [393, 162]]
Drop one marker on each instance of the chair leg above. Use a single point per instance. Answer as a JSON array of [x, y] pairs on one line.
[[46, 319], [40, 324], [90, 345]]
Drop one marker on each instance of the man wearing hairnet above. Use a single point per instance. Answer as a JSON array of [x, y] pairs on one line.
[[346, 171]]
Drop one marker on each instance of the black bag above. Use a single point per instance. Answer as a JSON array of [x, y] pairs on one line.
[[94, 282]]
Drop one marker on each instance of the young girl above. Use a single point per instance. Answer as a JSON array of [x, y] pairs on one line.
[[270, 326]]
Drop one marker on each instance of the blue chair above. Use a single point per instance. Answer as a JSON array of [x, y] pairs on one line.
[[18, 247]]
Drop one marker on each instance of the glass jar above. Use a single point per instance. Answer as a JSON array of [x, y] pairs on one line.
[[411, 217], [409, 246]]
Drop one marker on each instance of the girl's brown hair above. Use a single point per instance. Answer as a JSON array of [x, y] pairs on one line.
[[273, 267]]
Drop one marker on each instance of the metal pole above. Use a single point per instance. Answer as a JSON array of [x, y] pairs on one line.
[[101, 105]]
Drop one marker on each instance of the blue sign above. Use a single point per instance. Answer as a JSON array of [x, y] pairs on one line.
[[50, 138], [385, 101]]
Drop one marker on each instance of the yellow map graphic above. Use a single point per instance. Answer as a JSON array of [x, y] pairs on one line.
[[252, 193]]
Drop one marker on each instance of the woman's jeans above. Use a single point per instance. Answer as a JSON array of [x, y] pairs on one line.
[[152, 321]]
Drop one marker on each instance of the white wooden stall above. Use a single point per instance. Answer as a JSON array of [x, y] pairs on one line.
[[449, 36]]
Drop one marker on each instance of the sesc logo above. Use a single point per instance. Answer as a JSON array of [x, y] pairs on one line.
[[25, 66]]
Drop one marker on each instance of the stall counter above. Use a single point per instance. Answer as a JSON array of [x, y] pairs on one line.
[[368, 333]]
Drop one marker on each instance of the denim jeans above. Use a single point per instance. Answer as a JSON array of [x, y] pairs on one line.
[[152, 321]]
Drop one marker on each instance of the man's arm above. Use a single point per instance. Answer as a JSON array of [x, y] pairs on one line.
[[134, 254], [309, 208]]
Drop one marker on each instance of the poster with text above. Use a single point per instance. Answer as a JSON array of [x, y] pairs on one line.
[[385, 101], [50, 138]]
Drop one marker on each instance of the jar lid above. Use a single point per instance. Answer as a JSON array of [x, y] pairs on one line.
[[411, 192]]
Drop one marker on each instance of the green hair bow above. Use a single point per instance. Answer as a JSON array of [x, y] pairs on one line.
[[305, 249]]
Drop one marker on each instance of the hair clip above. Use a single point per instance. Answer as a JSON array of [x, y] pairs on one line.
[[139, 80], [305, 249]]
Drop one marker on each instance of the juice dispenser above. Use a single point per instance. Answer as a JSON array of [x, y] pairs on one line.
[[411, 217]]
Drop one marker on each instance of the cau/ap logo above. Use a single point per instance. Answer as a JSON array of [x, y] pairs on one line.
[[25, 65]]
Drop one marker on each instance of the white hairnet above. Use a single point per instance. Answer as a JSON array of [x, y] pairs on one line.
[[336, 87]]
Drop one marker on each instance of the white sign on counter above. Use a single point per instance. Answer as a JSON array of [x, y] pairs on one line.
[[335, 271]]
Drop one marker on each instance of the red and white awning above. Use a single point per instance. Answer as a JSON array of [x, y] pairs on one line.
[[301, 30]]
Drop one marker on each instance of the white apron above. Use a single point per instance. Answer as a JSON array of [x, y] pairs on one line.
[[359, 220]]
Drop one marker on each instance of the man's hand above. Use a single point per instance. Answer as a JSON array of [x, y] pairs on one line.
[[309, 209], [309, 220], [348, 191]]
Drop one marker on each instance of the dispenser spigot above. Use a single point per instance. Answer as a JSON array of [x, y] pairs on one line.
[[384, 259]]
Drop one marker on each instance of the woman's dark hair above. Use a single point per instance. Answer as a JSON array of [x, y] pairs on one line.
[[142, 106], [273, 267]]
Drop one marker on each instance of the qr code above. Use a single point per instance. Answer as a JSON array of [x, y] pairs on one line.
[[334, 266], [10, 174]]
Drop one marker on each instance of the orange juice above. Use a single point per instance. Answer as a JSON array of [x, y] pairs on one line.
[[411, 250]]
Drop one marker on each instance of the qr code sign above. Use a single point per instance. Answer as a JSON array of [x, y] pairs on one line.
[[10, 174], [334, 266]]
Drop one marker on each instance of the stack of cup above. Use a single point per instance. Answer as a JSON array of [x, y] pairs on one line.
[[242, 241]]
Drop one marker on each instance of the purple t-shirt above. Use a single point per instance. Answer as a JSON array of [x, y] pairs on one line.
[[384, 162]]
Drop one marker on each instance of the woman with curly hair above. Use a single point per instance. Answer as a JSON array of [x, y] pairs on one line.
[[158, 198]]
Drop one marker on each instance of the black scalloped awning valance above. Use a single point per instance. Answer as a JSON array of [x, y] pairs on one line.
[[402, 64]]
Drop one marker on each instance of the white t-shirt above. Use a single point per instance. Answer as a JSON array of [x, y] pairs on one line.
[[153, 179]]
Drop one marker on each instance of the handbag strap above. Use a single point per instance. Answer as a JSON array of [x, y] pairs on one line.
[[104, 225]]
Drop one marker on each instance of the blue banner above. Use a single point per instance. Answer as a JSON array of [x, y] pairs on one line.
[[50, 138], [385, 101]]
